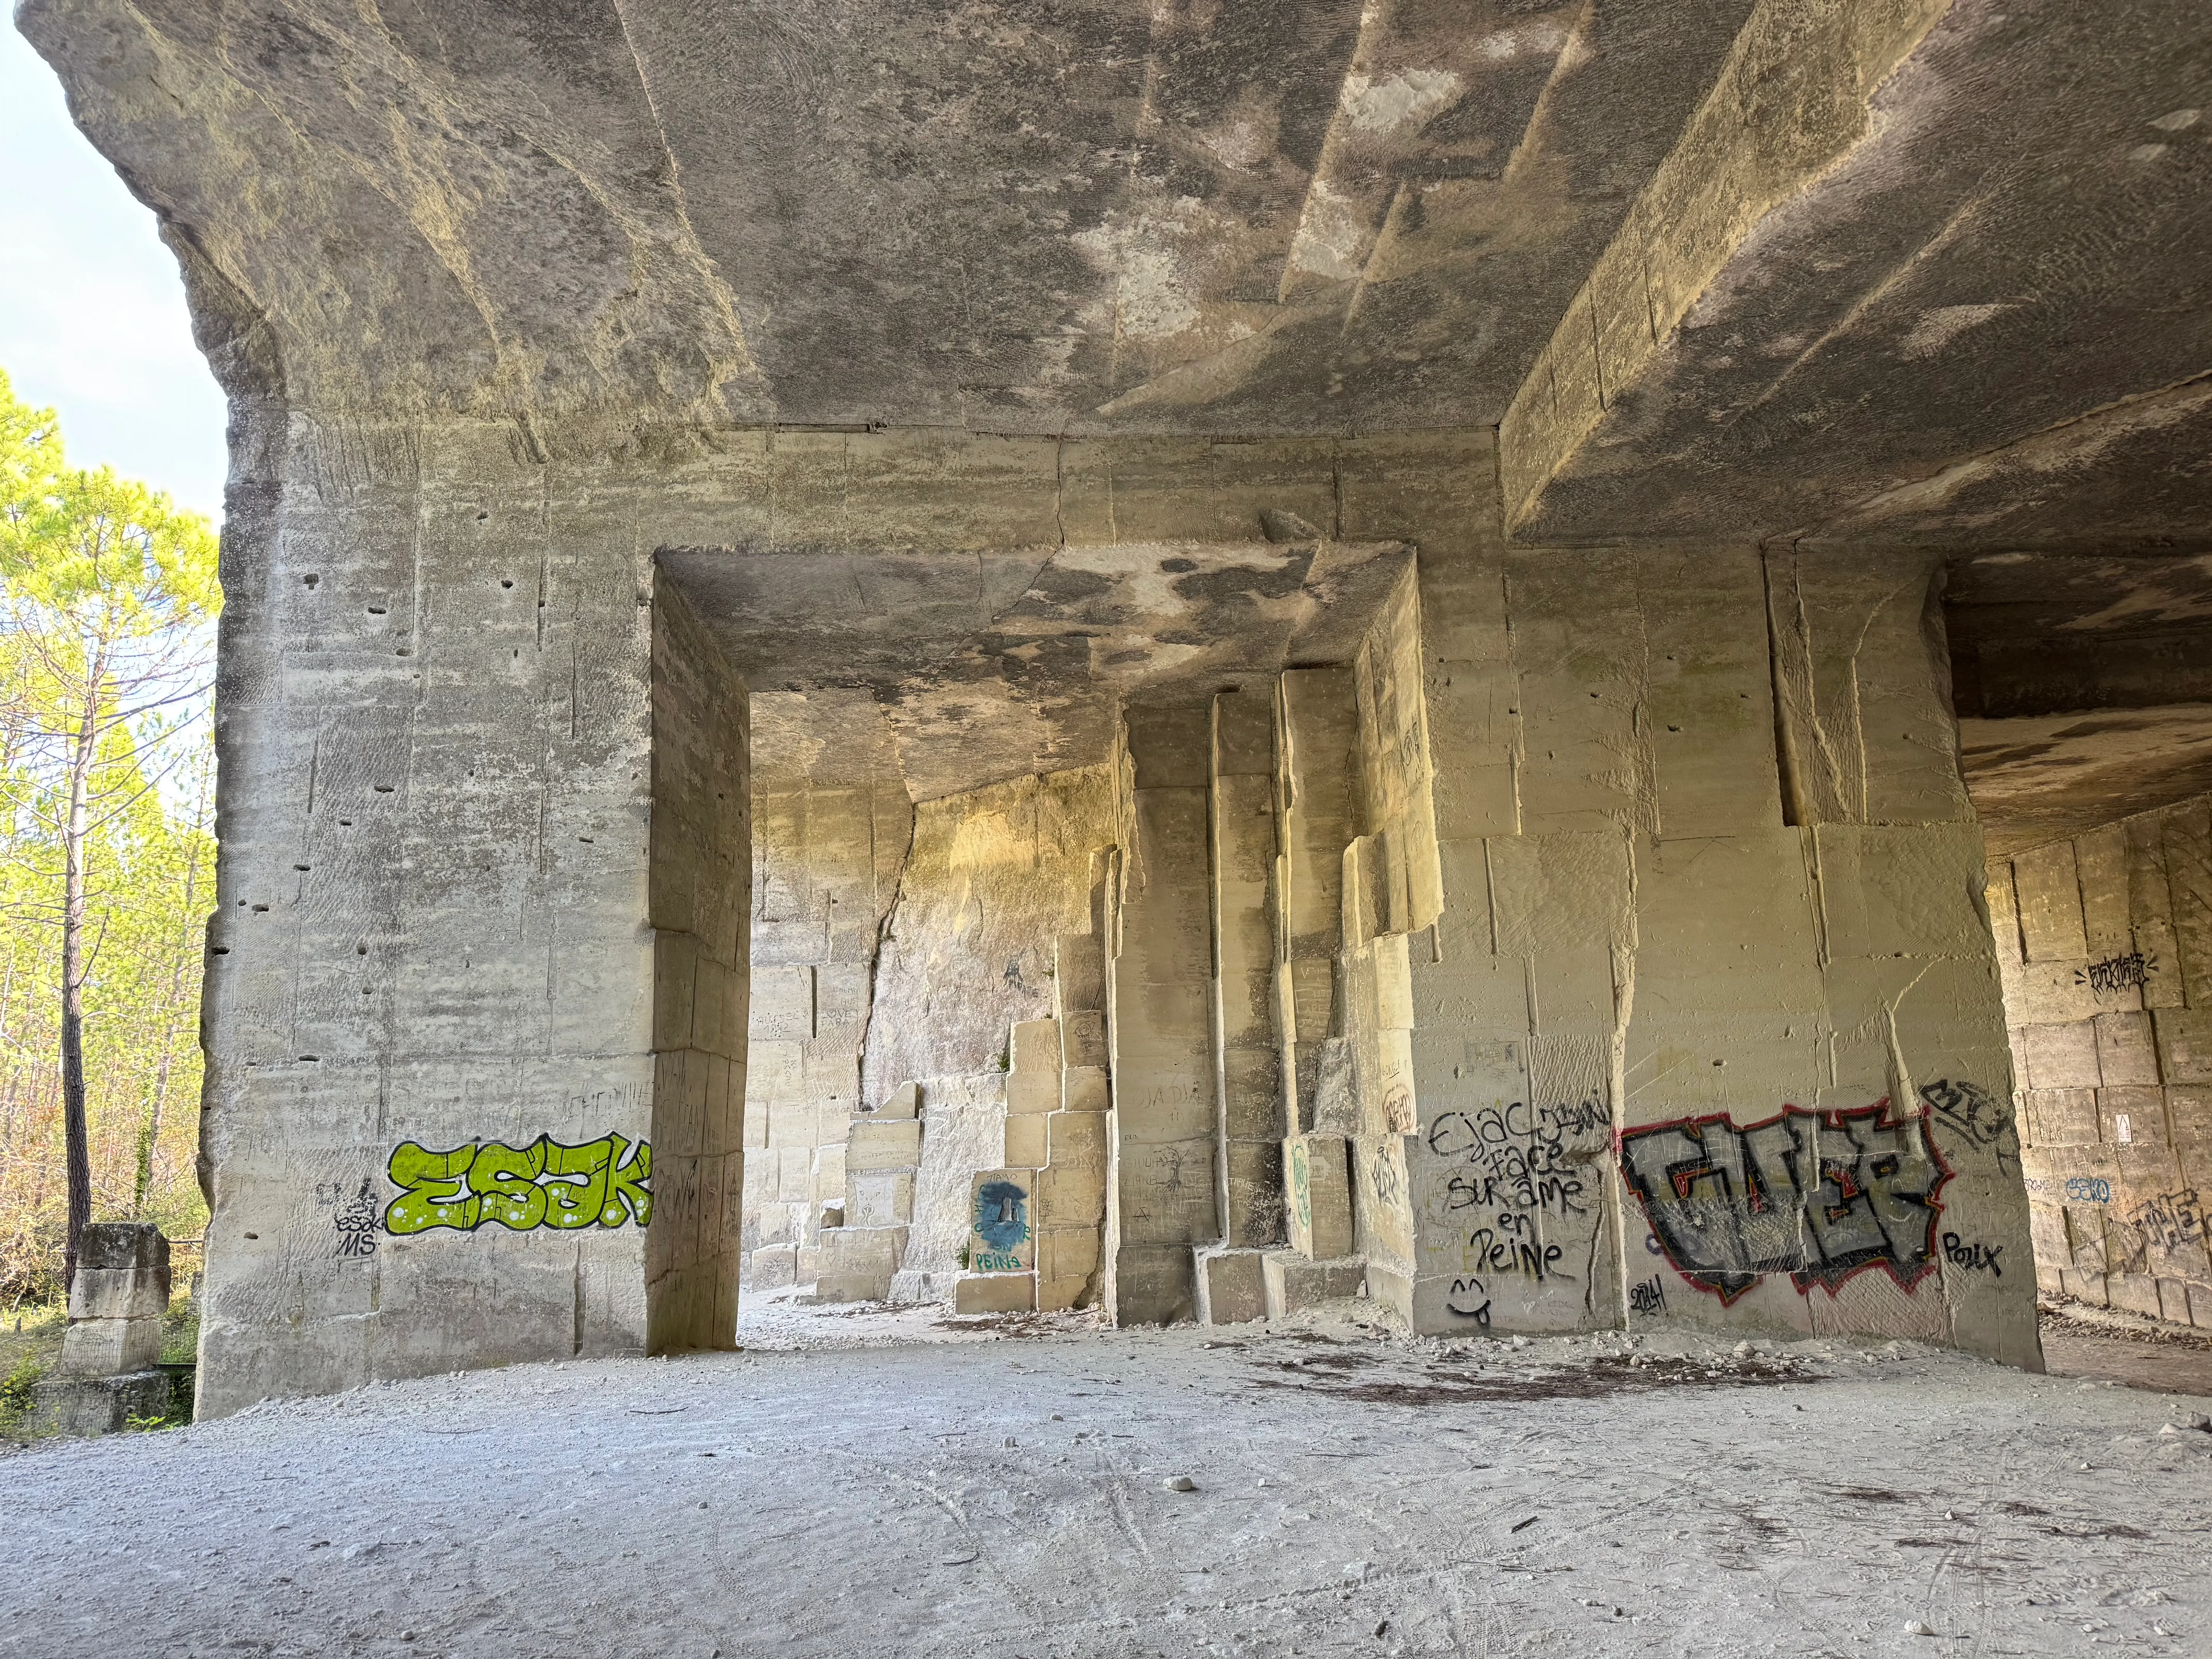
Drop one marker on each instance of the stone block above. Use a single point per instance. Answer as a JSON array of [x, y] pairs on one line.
[[762, 1176], [1082, 1039], [1165, 1194], [2126, 1050], [2060, 1117], [879, 1198], [2184, 1043], [1252, 1094], [856, 1264], [1070, 1197], [124, 1247], [829, 1170], [1295, 1283], [990, 1293], [1002, 1221], [1150, 1284], [1060, 1295], [109, 1347], [2131, 1116], [841, 1001], [794, 1174], [1066, 1252], [1026, 1141], [1231, 1284], [905, 1101], [119, 1293], [1244, 734], [2049, 893], [794, 1121], [1252, 1172], [1034, 1046], [875, 1143], [1078, 973], [1032, 1093], [1084, 1089], [1317, 1206], [2059, 1056], [771, 1268], [102, 1404], [782, 1004], [1076, 1140]]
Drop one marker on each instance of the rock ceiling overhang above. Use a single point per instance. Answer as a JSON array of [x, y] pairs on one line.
[[993, 664]]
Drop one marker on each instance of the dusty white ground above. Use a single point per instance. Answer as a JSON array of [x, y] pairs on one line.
[[895, 1487]]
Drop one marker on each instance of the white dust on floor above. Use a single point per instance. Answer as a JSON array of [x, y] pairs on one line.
[[894, 1484]]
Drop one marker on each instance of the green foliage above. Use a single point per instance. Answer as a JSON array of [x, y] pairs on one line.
[[15, 1397], [15, 1390], [108, 592]]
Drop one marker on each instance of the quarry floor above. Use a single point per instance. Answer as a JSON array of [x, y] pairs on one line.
[[893, 1483]]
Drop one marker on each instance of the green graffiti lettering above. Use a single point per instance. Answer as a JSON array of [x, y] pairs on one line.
[[433, 1189], [574, 1203], [506, 1180], [548, 1183], [628, 1184]]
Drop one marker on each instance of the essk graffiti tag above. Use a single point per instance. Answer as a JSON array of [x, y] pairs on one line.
[[601, 1183], [1818, 1195]]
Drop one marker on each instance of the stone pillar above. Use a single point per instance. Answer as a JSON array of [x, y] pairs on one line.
[[700, 909], [1317, 770], [1160, 1021], [445, 976], [1246, 1059], [107, 1372], [1072, 1186]]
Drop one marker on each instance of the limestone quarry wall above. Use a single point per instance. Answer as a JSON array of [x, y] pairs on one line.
[[2104, 941], [1713, 982], [434, 727], [831, 828], [1613, 919], [996, 876]]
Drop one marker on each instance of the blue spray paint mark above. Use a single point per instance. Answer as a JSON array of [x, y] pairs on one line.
[[1002, 1215]]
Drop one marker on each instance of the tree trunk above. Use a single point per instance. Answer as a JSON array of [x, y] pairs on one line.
[[73, 850]]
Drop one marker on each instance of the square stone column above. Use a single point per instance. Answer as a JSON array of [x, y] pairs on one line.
[[1160, 1021], [452, 1008], [1248, 1074]]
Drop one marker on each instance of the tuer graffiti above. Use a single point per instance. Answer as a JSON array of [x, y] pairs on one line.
[[601, 1183], [1818, 1195]]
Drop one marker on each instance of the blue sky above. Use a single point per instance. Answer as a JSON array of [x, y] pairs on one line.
[[92, 312]]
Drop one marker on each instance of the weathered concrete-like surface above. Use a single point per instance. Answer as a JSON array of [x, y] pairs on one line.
[[2104, 942], [1002, 391], [1003, 1499]]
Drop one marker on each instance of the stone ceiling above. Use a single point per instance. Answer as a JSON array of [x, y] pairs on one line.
[[994, 665], [1922, 273]]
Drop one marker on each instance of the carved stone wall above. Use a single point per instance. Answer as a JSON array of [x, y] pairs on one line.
[[2105, 940]]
